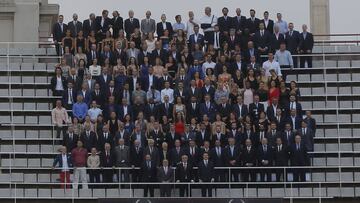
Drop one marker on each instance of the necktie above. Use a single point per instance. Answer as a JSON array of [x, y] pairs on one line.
[[137, 150], [70, 97], [290, 33], [185, 166], [167, 106], [206, 163], [165, 169], [298, 147], [265, 148], [279, 149], [149, 164], [75, 27], [71, 136], [232, 151], [262, 33], [131, 20], [248, 149]]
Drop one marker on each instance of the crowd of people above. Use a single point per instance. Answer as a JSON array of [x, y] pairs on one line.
[[174, 102]]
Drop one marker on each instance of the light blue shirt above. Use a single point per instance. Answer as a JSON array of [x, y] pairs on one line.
[[284, 58], [282, 25], [94, 112], [178, 26], [80, 110]]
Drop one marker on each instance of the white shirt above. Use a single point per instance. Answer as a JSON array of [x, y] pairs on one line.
[[207, 65], [59, 85], [267, 65], [190, 27], [169, 92], [94, 112], [217, 40], [212, 19], [151, 79], [65, 166], [95, 70]]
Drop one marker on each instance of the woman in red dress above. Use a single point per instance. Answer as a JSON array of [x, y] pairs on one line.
[[179, 124], [274, 91]]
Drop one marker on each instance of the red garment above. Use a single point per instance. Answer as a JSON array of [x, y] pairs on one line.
[[273, 93], [79, 157], [179, 127], [199, 83], [65, 178]]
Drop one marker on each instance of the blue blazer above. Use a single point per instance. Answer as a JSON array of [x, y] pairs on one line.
[[58, 160]]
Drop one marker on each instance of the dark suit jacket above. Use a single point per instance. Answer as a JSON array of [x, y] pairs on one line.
[[58, 35], [248, 158], [87, 28], [253, 25], [105, 27], [262, 155], [247, 55], [224, 111], [155, 158], [175, 157], [149, 174], [58, 160], [160, 29], [292, 42], [307, 43], [262, 41], [195, 158], [125, 136], [191, 112], [101, 140], [299, 157], [137, 158], [206, 172], [163, 112], [200, 40], [275, 43], [71, 27], [148, 111], [65, 97], [70, 143], [130, 27], [209, 111], [107, 161], [239, 24], [307, 138], [184, 175], [218, 160], [189, 93], [281, 157], [165, 177], [204, 92], [200, 139], [89, 142], [228, 157], [117, 25], [163, 56], [100, 99], [254, 111], [270, 27], [54, 81], [225, 24], [236, 110]]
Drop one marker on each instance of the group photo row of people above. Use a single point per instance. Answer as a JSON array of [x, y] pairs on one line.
[[180, 106]]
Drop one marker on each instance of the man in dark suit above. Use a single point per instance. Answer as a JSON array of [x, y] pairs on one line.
[[75, 26], [265, 158], [288, 136], [104, 137], [166, 108], [294, 119], [89, 25], [106, 54], [299, 157], [176, 152], [311, 122], [306, 45], [58, 32], [192, 91], [240, 109], [69, 96], [131, 24], [292, 39], [137, 159], [206, 174], [239, 22], [280, 119], [217, 135], [138, 135], [232, 159], [164, 153], [184, 173], [268, 23], [293, 104], [165, 174], [250, 52], [272, 109], [276, 39], [103, 24], [92, 55], [208, 108], [193, 153], [272, 134], [104, 79], [262, 41], [217, 157], [162, 26], [216, 38], [107, 160], [248, 159], [70, 139], [171, 137], [148, 175], [98, 95], [248, 134], [202, 135], [192, 109], [281, 157], [232, 39], [88, 138], [224, 108], [75, 79], [255, 108], [196, 38], [307, 135], [153, 151], [207, 89], [117, 23], [235, 132], [159, 52], [122, 134], [252, 23], [225, 22]]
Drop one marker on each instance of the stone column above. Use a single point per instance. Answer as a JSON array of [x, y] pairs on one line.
[[320, 18], [26, 22]]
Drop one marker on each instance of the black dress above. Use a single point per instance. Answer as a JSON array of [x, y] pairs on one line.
[[284, 98], [113, 127], [263, 95], [68, 42], [80, 43]]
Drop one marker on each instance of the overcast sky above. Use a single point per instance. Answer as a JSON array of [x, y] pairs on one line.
[[293, 11]]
